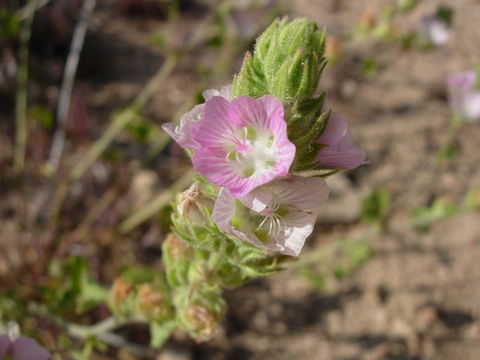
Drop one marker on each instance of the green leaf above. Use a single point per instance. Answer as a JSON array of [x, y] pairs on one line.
[[424, 217], [375, 206]]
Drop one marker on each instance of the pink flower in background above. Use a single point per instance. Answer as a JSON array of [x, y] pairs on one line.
[[275, 217], [435, 31], [464, 96], [339, 151], [21, 348], [182, 133], [243, 143]]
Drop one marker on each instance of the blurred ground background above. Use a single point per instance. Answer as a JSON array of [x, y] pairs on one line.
[[415, 297]]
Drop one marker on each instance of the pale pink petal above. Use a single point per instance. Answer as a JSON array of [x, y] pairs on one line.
[[298, 225], [224, 211], [340, 152], [225, 92], [464, 80], [216, 128], [216, 168], [28, 349], [296, 192], [341, 159], [247, 111], [336, 129], [5, 345], [436, 31], [472, 106], [258, 199], [182, 133]]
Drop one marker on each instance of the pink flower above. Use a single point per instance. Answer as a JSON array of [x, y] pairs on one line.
[[22, 348], [182, 133], [436, 31], [243, 143], [464, 96], [339, 151], [275, 217]]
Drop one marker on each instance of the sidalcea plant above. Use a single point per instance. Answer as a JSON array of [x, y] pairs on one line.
[[261, 148]]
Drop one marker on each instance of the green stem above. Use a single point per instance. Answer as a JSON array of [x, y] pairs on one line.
[[21, 133]]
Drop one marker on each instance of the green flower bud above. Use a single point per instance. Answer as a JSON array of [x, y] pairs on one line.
[[287, 62], [122, 298], [177, 256], [154, 303], [194, 206], [200, 311]]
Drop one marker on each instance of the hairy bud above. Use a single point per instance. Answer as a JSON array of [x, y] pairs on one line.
[[153, 303]]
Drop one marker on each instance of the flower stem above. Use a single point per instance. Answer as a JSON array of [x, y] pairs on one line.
[[21, 100]]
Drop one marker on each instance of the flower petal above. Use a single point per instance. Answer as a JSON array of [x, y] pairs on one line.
[[5, 345], [216, 168], [298, 225], [215, 128], [183, 133], [464, 80], [336, 129], [300, 192], [223, 213], [225, 92], [257, 199], [472, 106], [341, 159], [28, 349]]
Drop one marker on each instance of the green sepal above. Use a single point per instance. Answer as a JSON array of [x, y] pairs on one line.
[[177, 256], [287, 62], [199, 310]]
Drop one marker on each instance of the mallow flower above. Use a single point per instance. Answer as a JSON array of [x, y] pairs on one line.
[[243, 143], [182, 133], [464, 95], [339, 152], [276, 217], [21, 348], [435, 31]]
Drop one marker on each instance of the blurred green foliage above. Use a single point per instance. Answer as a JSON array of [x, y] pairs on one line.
[[375, 207]]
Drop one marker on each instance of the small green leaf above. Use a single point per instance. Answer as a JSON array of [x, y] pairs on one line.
[[375, 206], [423, 218]]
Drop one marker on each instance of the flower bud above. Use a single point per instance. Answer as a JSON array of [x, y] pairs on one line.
[[177, 255], [193, 205], [287, 62], [154, 304], [200, 311], [121, 297]]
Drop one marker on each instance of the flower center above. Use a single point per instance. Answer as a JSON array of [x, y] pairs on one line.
[[252, 152], [272, 222]]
